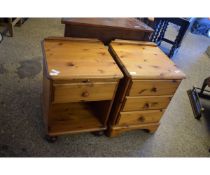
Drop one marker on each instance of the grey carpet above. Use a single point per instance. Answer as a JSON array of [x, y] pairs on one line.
[[21, 124]]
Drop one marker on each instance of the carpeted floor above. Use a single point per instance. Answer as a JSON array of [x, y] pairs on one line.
[[21, 124]]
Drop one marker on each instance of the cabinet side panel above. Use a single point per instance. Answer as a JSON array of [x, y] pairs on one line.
[[46, 98], [122, 90]]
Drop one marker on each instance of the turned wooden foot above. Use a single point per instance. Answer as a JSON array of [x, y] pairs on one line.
[[98, 133], [51, 139], [152, 129]]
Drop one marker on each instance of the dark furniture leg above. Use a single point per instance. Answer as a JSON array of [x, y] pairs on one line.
[[157, 27], [9, 24], [160, 26], [51, 139], [98, 133], [162, 32]]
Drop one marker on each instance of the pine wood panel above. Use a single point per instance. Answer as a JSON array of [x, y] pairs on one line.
[[120, 94], [83, 92], [46, 95], [146, 103], [143, 43], [140, 117], [153, 87], [116, 130], [73, 118], [102, 109], [68, 58], [95, 80], [145, 61]]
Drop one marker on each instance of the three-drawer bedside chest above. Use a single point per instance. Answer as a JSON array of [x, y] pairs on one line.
[[149, 83], [80, 79]]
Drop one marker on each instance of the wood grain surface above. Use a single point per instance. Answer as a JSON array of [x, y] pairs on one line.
[[140, 117], [68, 59], [153, 87], [145, 61], [146, 103], [73, 118], [75, 92]]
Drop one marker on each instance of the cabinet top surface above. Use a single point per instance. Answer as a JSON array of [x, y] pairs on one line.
[[144, 60], [68, 58], [123, 23]]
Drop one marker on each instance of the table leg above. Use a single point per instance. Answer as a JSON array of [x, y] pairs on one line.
[[10, 27]]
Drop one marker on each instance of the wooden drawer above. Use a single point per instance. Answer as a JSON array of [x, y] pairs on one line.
[[154, 87], [140, 117], [146, 103], [76, 92]]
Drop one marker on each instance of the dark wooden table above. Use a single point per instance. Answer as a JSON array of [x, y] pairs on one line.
[[107, 29], [161, 25]]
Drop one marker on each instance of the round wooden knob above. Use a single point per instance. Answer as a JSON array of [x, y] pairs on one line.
[[141, 119], [86, 81], [85, 94], [146, 105], [154, 89]]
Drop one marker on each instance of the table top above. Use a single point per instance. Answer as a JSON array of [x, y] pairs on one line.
[[122, 23], [73, 58], [144, 60]]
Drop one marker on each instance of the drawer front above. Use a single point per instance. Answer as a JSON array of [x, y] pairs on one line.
[[146, 103], [140, 117], [154, 87], [75, 92]]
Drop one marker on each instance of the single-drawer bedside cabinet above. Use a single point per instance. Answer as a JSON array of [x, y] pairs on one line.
[[150, 81], [80, 79]]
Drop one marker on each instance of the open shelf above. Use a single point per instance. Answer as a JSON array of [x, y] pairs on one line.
[[78, 117]]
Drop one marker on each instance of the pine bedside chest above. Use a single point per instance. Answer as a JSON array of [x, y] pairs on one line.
[[79, 84], [150, 81]]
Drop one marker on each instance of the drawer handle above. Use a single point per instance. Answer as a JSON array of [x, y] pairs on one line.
[[85, 94], [154, 89], [141, 119], [86, 81], [146, 105]]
